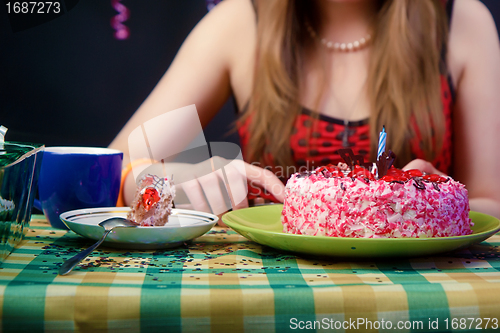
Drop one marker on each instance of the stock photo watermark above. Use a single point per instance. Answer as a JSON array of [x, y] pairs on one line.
[[364, 324], [176, 148]]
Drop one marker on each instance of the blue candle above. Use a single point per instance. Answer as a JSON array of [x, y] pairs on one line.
[[382, 138]]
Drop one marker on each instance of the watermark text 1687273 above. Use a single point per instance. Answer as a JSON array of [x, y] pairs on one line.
[[33, 7], [29, 14]]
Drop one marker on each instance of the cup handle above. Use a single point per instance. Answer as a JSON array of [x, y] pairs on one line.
[[38, 205]]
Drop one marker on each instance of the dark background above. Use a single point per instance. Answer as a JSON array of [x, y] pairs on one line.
[[68, 81]]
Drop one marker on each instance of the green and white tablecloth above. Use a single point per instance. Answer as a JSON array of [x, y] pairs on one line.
[[222, 282]]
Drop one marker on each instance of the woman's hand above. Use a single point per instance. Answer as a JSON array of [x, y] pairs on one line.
[[423, 166], [224, 186], [215, 185]]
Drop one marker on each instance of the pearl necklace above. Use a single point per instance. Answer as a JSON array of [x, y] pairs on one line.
[[353, 46]]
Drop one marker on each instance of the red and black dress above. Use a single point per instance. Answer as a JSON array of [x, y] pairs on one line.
[[318, 146]]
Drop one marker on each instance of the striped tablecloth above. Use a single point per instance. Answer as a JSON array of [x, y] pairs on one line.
[[222, 282]]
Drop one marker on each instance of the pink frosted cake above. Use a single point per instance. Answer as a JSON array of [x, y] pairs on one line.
[[153, 200], [344, 203]]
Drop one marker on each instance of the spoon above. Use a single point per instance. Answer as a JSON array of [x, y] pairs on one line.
[[108, 225]]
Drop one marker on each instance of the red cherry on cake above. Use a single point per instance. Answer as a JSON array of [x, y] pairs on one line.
[[431, 178], [321, 169], [333, 171], [360, 172], [150, 198], [388, 178], [414, 173], [398, 174], [337, 173], [435, 178]]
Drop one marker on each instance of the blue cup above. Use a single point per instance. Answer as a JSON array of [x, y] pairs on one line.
[[77, 177]]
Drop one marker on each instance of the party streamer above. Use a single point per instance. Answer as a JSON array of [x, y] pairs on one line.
[[121, 31]]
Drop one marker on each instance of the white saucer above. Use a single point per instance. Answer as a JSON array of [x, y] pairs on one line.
[[183, 226]]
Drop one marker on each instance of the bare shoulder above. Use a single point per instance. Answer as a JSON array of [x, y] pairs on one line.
[[472, 16], [226, 37], [472, 32], [222, 27], [234, 12], [228, 20], [239, 19], [240, 42]]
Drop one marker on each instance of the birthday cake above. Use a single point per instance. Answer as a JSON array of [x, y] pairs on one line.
[[351, 200], [152, 204]]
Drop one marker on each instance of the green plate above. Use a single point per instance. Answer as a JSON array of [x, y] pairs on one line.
[[263, 225]]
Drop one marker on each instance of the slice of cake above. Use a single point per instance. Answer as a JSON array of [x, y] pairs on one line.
[[354, 202], [153, 201]]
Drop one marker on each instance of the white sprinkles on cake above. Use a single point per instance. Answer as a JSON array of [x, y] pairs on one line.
[[332, 202]]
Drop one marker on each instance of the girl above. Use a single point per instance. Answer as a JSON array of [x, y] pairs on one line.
[[310, 77]]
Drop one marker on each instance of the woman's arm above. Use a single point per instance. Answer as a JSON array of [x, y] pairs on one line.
[[200, 73], [215, 60], [474, 58], [198, 185]]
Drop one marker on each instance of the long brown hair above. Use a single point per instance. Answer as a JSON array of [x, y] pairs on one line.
[[403, 83]]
